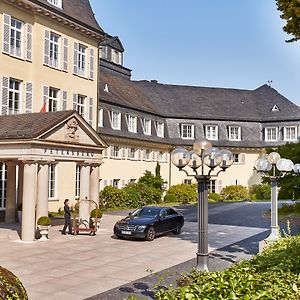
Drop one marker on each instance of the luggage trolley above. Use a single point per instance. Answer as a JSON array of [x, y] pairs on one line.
[[88, 226]]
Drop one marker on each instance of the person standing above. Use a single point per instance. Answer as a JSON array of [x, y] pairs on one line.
[[67, 216]]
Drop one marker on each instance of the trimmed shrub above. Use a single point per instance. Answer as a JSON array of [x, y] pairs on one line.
[[170, 198], [184, 193], [260, 192], [112, 197], [139, 194], [11, 288], [44, 221], [98, 211], [215, 197], [273, 274], [234, 193]]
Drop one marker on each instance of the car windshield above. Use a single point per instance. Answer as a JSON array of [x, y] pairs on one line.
[[146, 212]]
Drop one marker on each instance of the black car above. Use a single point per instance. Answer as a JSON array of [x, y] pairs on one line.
[[148, 222]]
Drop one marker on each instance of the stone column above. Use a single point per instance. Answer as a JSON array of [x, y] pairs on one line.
[[94, 185], [84, 209], [20, 183], [29, 201], [11, 204], [42, 190]]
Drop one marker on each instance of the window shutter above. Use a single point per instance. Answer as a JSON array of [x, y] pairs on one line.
[[5, 84], [64, 100], [220, 186], [91, 100], [28, 51], [92, 64], [65, 54], [75, 58], [47, 48], [29, 96], [75, 97], [6, 33], [242, 158], [45, 97]]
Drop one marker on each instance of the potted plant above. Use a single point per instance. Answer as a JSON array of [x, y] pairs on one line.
[[20, 213], [96, 215], [44, 224]]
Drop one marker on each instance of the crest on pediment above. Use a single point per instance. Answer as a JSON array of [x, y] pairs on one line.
[[71, 130]]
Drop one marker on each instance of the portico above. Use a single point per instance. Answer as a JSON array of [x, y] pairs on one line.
[[29, 145]]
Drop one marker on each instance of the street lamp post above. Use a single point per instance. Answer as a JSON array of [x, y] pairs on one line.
[[271, 163], [203, 154]]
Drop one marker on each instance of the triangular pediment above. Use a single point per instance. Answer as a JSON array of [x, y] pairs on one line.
[[73, 130]]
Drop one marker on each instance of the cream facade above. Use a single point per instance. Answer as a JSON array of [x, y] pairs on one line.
[[49, 63]]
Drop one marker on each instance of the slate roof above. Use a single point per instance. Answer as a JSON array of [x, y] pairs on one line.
[[77, 10], [30, 126], [191, 102], [114, 42], [218, 103]]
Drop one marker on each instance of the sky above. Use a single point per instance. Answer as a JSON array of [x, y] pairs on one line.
[[215, 43]]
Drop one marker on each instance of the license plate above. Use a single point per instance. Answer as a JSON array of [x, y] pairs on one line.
[[126, 232]]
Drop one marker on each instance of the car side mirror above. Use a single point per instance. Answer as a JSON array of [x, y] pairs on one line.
[[162, 216]]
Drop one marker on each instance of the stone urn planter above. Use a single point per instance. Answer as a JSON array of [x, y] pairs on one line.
[[43, 230], [44, 224], [96, 215]]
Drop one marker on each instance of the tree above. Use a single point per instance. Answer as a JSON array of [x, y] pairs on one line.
[[289, 183], [290, 11]]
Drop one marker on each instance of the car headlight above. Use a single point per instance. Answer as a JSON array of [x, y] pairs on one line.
[[141, 228]]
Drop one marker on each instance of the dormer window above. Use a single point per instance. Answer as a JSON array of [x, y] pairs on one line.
[[187, 131], [146, 124], [57, 3], [115, 118], [131, 123], [290, 133], [271, 134], [116, 57], [160, 129], [234, 133], [211, 132]]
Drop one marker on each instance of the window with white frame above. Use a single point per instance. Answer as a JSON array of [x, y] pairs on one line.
[[16, 37], [100, 118], [147, 154], [3, 185], [82, 60], [81, 105], [131, 123], [57, 3], [146, 124], [234, 133], [14, 98], [271, 134], [115, 120], [131, 153], [160, 129], [211, 132], [235, 157], [290, 133], [115, 182], [54, 50], [116, 56], [160, 156], [53, 99], [187, 181], [77, 182], [115, 151], [52, 181], [187, 131], [212, 186]]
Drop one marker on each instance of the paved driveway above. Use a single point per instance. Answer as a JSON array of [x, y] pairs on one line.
[[77, 267]]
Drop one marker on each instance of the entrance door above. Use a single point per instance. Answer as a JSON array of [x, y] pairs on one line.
[[3, 184]]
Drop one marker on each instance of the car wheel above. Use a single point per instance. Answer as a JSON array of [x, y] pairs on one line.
[[177, 229], [150, 234]]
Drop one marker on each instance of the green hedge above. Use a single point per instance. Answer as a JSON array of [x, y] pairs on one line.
[[112, 197], [260, 191], [184, 193], [234, 193], [214, 197], [11, 288], [274, 274]]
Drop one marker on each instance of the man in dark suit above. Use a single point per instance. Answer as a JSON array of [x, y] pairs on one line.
[[67, 216]]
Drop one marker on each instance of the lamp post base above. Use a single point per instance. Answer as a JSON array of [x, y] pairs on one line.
[[202, 262], [274, 235]]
